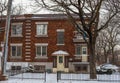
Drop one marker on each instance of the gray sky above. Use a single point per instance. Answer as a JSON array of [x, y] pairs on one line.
[[26, 4]]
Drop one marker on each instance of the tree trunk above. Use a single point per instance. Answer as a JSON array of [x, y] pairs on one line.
[[113, 57], [105, 56], [91, 47]]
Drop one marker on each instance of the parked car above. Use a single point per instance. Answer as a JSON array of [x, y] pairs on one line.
[[106, 69]]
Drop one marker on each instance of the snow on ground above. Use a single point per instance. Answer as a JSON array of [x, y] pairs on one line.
[[51, 78]]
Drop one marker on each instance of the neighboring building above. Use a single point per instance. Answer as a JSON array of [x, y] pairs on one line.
[[46, 42]]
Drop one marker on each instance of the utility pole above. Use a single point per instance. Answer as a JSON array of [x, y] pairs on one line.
[[6, 37]]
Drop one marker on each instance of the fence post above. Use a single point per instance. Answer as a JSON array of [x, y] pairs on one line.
[[45, 76], [58, 76]]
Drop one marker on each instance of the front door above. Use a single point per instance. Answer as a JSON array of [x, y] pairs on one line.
[[60, 63]]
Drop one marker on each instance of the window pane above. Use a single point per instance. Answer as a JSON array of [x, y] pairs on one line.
[[19, 51], [42, 29], [60, 59], [13, 50], [19, 30], [60, 37], [44, 50], [14, 32], [16, 29], [78, 50], [39, 50], [84, 50]]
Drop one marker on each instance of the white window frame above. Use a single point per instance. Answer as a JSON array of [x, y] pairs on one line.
[[46, 29], [41, 44], [83, 50], [16, 35], [16, 52]]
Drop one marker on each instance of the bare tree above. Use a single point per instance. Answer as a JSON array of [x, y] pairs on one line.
[[113, 39], [109, 39], [18, 9], [101, 48], [3, 7], [88, 12]]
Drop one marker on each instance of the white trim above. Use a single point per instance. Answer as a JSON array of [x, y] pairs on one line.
[[28, 24], [27, 59], [41, 57], [27, 36], [19, 23], [27, 46], [28, 56], [28, 30], [16, 44], [27, 49], [28, 33], [16, 35], [60, 44], [28, 27], [41, 44], [41, 22], [27, 42], [60, 30]]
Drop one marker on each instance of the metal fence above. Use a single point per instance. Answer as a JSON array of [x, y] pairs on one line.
[[18, 74], [86, 77]]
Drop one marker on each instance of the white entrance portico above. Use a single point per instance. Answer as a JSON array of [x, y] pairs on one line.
[[60, 61]]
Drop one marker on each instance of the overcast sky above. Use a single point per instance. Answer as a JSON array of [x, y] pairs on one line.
[[26, 4]]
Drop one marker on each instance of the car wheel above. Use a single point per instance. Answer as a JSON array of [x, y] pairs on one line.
[[109, 71]]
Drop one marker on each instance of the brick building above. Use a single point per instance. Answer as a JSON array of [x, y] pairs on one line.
[[45, 42]]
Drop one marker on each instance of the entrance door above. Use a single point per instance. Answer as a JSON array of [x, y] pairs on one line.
[[60, 63]]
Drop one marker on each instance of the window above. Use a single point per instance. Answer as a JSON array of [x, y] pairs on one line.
[[39, 68], [60, 37], [60, 59], [41, 51], [16, 30], [15, 67], [81, 68], [16, 51], [78, 50], [41, 29], [84, 50]]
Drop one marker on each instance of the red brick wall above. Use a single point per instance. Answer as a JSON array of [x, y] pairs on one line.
[[53, 25]]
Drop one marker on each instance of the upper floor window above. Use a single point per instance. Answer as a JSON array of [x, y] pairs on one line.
[[41, 29], [80, 50], [41, 50], [84, 50], [16, 50], [16, 29], [60, 36]]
